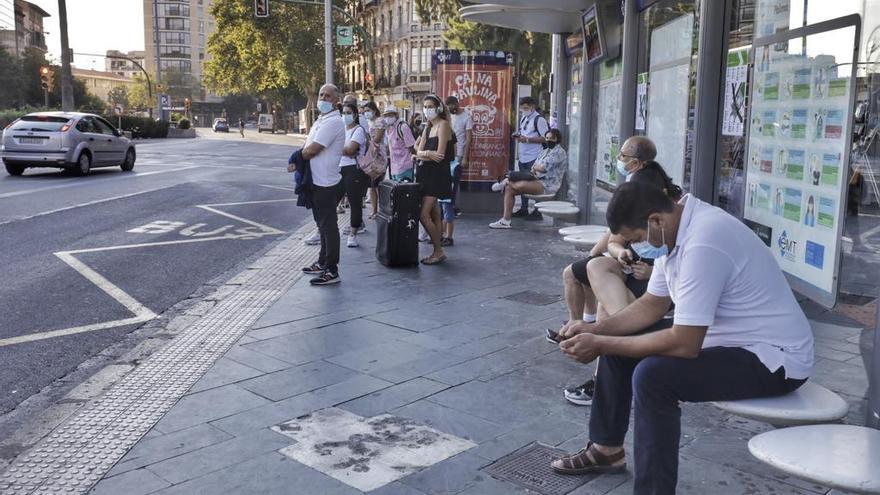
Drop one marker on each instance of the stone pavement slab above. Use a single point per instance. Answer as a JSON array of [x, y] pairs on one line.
[[457, 349]]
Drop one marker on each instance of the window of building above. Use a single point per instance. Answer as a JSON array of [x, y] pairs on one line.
[[176, 24], [399, 16], [414, 58], [426, 58], [201, 26]]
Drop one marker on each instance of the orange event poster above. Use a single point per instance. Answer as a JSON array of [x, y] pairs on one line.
[[484, 83]]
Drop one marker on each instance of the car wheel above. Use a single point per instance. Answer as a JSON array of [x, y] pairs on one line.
[[83, 165], [14, 169], [128, 164]]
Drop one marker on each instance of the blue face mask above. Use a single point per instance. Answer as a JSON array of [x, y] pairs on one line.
[[348, 118], [647, 250], [621, 169], [325, 106]]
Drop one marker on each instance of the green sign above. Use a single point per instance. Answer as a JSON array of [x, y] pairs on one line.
[[344, 36]]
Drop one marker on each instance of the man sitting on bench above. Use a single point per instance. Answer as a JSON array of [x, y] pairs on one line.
[[738, 333]]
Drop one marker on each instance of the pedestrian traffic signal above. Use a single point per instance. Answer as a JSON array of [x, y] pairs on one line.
[[44, 77], [261, 8], [50, 79], [187, 104]]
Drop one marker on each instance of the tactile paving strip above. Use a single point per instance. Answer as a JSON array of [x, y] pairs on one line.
[[529, 467], [77, 454]]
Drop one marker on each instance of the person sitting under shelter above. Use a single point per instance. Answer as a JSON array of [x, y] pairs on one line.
[[738, 333]]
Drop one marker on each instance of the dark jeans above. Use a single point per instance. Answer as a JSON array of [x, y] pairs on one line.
[[654, 386], [525, 167], [324, 201], [355, 183]]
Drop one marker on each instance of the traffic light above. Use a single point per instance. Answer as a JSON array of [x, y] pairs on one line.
[[50, 79], [44, 77], [261, 8], [187, 104]]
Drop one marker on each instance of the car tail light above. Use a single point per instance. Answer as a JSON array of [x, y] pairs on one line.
[[10, 124]]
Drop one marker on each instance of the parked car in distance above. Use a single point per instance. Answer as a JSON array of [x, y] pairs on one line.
[[220, 125], [266, 123], [68, 140]]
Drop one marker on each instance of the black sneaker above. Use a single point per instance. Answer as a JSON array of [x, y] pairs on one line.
[[582, 395], [534, 216], [326, 278], [521, 213], [457, 211], [314, 269]]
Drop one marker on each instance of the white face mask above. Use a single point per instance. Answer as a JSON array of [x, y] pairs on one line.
[[390, 120], [348, 118], [430, 113]]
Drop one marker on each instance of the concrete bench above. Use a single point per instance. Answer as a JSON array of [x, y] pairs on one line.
[[811, 403], [552, 204], [566, 213], [584, 241], [841, 456], [582, 229]]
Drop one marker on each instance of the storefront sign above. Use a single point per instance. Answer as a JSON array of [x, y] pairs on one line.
[[797, 156], [484, 83], [642, 102], [735, 93]]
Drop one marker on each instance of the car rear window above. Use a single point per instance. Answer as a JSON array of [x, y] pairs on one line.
[[39, 123]]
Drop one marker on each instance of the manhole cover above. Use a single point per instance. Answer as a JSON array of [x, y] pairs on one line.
[[534, 297], [529, 467]]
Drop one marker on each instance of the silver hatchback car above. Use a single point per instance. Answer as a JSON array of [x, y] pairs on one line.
[[71, 140]]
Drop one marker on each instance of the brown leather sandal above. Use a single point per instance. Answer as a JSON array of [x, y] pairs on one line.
[[589, 461]]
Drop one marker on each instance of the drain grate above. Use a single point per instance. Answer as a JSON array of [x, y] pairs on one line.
[[529, 467], [534, 297]]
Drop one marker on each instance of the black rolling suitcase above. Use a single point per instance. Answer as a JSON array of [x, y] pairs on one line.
[[397, 223]]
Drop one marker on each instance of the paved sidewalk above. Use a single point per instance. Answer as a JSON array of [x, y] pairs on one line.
[[424, 376]]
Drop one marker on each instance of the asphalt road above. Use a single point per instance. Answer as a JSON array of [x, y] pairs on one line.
[[86, 260]]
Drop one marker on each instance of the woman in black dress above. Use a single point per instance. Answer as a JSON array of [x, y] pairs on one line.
[[435, 151]]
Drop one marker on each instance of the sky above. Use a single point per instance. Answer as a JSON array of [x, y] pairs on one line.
[[95, 26]]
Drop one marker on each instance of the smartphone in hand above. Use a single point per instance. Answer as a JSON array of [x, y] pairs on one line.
[[553, 336]]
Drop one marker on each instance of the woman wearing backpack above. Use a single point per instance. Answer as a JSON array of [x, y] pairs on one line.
[[377, 153], [354, 180], [435, 151]]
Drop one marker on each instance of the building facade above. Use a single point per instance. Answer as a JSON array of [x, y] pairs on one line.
[[401, 45], [123, 67], [175, 37], [24, 28], [100, 83]]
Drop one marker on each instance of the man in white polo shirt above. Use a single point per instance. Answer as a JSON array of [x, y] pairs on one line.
[[323, 149], [738, 333]]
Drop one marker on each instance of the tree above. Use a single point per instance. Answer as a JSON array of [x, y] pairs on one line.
[[10, 80], [277, 57], [139, 94], [534, 49], [118, 96]]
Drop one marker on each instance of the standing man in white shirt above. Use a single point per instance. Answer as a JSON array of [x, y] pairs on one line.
[[463, 128], [530, 138], [738, 333], [323, 149]]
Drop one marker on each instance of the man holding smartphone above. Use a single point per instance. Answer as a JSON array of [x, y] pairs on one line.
[[530, 139]]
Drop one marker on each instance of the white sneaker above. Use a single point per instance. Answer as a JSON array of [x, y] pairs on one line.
[[352, 241], [340, 210], [424, 237], [314, 240], [500, 224], [347, 230], [499, 186]]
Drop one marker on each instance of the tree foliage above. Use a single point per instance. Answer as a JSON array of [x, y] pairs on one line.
[[275, 57], [534, 49], [20, 84], [139, 94]]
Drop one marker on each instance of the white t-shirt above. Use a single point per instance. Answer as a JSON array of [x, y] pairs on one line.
[[328, 131], [722, 276], [528, 152], [358, 135], [461, 123]]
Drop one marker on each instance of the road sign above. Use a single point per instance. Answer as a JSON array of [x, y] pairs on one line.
[[118, 110], [259, 107], [261, 8], [165, 102], [344, 36]]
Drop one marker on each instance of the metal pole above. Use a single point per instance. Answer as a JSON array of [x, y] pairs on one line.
[[67, 103], [46, 98], [328, 41], [873, 413], [629, 78], [158, 56]]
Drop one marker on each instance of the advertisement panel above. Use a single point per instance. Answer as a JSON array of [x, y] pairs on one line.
[[797, 148], [485, 84]]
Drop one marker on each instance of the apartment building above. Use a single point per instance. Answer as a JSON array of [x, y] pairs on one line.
[[21, 26], [123, 67], [101, 83], [402, 46], [175, 37]]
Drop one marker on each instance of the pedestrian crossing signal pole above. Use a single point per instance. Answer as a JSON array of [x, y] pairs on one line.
[[328, 41], [44, 83]]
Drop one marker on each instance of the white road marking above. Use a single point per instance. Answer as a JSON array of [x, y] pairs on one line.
[[142, 314], [277, 187], [84, 183]]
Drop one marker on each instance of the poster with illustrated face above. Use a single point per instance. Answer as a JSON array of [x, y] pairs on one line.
[[796, 148], [484, 83]]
